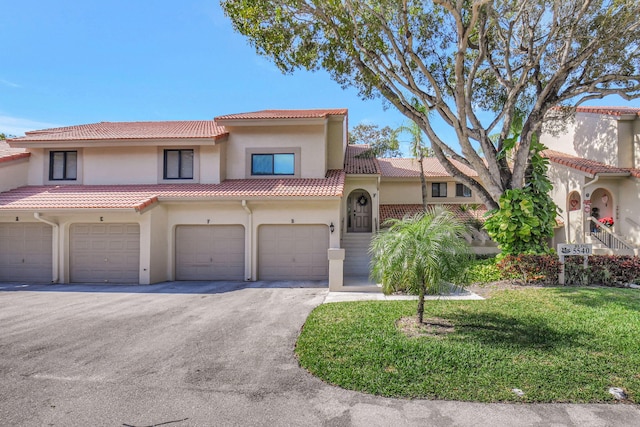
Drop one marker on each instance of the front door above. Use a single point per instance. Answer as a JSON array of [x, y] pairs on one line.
[[359, 212]]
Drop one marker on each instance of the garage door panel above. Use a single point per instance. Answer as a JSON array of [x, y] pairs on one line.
[[83, 229], [26, 252], [105, 253], [293, 252], [116, 228], [210, 252], [31, 246], [99, 245], [36, 258], [83, 244]]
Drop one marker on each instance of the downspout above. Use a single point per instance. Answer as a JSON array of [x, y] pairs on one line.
[[55, 243], [249, 239], [377, 229], [567, 207], [586, 224], [593, 181]]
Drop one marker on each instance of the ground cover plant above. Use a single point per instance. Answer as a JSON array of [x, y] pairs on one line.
[[554, 344], [482, 270]]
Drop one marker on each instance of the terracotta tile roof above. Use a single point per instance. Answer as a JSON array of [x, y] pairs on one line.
[[398, 211], [360, 165], [331, 186], [74, 197], [462, 212], [591, 167], [285, 114], [139, 197], [465, 213], [409, 168], [8, 154], [634, 172], [611, 111], [128, 130]]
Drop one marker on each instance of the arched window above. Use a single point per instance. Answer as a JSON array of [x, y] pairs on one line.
[[574, 201]]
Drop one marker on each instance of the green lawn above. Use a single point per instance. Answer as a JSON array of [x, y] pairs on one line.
[[555, 344]]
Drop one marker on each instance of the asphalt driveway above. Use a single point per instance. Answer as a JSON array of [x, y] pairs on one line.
[[202, 354]]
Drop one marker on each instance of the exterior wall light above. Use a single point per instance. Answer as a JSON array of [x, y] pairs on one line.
[[332, 227]]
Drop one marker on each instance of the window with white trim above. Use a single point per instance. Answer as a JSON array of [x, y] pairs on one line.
[[178, 164], [63, 165], [273, 164], [438, 189], [462, 190]]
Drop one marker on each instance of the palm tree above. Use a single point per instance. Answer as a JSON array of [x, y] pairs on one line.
[[420, 254], [419, 151]]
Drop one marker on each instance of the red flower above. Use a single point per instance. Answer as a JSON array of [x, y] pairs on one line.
[[607, 220]]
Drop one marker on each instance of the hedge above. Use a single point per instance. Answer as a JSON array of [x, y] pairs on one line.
[[606, 270]]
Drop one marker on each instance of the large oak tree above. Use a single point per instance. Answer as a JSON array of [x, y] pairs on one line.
[[459, 60], [382, 142]]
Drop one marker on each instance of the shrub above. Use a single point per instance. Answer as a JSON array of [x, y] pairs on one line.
[[606, 270], [482, 270], [539, 269], [525, 219]]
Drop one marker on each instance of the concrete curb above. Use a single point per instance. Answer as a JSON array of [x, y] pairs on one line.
[[368, 296]]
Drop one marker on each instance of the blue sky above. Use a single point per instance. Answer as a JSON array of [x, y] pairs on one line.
[[73, 62]]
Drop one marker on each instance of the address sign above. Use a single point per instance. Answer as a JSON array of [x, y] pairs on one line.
[[575, 249]]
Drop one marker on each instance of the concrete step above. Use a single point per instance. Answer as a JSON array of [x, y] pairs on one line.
[[356, 256], [356, 271], [357, 237], [360, 283], [353, 269]]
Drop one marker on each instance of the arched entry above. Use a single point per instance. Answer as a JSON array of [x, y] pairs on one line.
[[359, 212], [601, 204]]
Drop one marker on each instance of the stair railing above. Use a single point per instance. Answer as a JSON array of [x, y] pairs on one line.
[[604, 234]]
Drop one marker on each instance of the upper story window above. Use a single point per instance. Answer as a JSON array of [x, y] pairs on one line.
[[273, 164], [178, 164], [438, 189], [63, 165], [462, 190]]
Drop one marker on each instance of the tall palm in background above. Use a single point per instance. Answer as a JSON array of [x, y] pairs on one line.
[[420, 254], [419, 150]]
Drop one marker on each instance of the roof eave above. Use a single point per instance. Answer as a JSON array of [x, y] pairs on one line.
[[14, 157], [240, 122], [365, 175], [258, 198], [125, 142], [66, 210], [613, 174]]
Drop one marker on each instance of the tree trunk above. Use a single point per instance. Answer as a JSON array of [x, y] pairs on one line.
[[421, 305], [423, 183]]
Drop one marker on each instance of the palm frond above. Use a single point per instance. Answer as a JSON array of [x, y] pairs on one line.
[[422, 252]]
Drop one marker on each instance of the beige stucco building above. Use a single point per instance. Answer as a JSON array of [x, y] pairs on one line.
[[595, 171], [270, 195]]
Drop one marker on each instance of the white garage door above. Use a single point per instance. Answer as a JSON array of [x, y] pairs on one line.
[[293, 252], [209, 252], [105, 253], [25, 253]]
